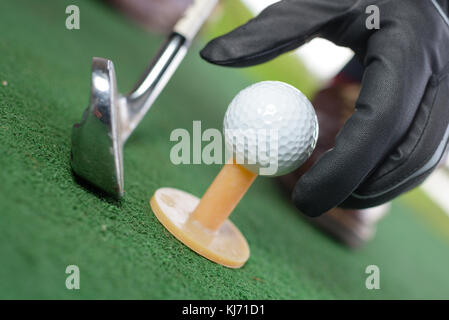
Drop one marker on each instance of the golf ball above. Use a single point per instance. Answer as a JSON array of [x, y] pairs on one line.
[[270, 128]]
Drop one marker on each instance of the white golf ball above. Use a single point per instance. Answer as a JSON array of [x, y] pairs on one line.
[[270, 128]]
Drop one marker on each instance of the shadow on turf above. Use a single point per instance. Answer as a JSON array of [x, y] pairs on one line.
[[90, 188], [321, 224]]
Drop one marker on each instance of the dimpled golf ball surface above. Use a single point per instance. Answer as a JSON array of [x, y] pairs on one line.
[[281, 113]]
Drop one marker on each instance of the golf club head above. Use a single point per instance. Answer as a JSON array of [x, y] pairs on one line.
[[97, 147]]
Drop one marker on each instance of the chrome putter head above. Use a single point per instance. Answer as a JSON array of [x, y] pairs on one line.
[[97, 142], [97, 145]]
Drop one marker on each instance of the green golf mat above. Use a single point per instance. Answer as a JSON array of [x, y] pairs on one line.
[[49, 221]]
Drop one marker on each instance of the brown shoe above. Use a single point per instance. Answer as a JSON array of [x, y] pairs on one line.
[[353, 228], [333, 106]]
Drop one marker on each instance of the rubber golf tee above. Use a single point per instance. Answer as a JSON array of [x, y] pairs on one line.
[[223, 195]]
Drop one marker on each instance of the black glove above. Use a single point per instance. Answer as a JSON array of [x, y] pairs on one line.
[[399, 130]]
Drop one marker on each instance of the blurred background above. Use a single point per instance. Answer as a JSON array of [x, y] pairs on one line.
[[317, 62], [49, 221]]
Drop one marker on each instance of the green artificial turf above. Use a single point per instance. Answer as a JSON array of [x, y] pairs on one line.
[[48, 221]]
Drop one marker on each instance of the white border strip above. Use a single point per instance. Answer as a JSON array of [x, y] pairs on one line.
[[441, 12], [436, 187]]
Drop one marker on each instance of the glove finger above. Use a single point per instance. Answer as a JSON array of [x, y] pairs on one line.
[[416, 156], [384, 111], [281, 27]]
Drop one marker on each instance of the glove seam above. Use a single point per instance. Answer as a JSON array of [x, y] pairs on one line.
[[411, 171], [391, 188], [434, 81]]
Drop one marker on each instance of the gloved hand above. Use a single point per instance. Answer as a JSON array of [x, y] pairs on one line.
[[399, 130]]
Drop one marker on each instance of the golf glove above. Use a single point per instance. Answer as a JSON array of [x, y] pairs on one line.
[[399, 130]]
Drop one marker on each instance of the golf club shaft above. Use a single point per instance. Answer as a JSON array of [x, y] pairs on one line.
[[163, 65]]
